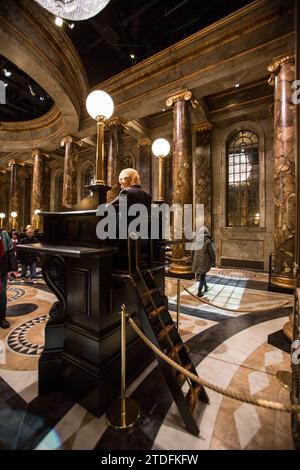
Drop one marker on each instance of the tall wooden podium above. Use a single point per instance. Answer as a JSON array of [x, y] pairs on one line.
[[82, 337]]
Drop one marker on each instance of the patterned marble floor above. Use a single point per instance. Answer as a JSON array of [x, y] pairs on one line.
[[236, 350]]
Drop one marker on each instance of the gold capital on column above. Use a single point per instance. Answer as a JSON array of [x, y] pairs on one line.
[[13, 161], [68, 139], [185, 95], [144, 141], [275, 65], [117, 121], [38, 153]]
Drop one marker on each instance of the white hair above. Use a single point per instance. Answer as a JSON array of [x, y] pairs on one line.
[[131, 174]]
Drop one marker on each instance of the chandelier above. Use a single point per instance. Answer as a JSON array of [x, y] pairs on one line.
[[75, 10]]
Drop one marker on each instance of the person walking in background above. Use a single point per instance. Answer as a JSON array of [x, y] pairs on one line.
[[203, 258], [7, 263], [14, 238], [26, 258]]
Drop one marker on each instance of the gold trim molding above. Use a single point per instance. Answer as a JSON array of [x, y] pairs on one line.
[[202, 126], [117, 121], [274, 67], [185, 95], [13, 161], [229, 28], [144, 141], [69, 139], [37, 152]]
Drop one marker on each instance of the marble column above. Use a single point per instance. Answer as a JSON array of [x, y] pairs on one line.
[[145, 164], [115, 155], [283, 71], [15, 195], [70, 171], [202, 168], [182, 172], [38, 187]]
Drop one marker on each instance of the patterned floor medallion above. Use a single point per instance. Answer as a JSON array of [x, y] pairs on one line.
[[14, 293], [27, 338], [237, 274]]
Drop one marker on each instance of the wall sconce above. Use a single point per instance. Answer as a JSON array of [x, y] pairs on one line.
[[161, 148], [100, 106], [2, 216], [37, 218], [14, 215]]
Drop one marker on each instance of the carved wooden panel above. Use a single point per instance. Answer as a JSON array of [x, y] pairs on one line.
[[81, 292]]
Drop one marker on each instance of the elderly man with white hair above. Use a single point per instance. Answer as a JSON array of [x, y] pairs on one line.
[[130, 182]]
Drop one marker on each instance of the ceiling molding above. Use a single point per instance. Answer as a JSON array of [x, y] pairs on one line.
[[30, 39]]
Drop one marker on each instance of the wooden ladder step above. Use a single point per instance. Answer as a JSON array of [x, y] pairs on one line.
[[172, 354], [154, 313], [181, 378], [147, 293], [167, 329], [192, 397]]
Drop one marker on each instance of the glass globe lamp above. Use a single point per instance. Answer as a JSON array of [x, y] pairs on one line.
[[161, 148]]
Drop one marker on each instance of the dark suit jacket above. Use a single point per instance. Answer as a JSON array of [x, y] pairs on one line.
[[135, 195]]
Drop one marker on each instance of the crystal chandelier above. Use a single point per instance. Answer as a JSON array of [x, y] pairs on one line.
[[75, 10]]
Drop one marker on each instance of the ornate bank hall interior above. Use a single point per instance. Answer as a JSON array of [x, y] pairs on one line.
[[218, 81]]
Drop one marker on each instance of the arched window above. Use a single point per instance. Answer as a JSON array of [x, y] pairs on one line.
[[243, 179], [88, 179]]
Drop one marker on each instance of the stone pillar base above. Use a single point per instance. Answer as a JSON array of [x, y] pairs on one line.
[[283, 281], [180, 267]]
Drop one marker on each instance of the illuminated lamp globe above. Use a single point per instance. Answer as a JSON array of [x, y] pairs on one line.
[[2, 215], [74, 10], [160, 148], [37, 211], [99, 103], [13, 215]]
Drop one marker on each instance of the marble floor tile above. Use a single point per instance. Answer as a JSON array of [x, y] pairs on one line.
[[257, 381], [273, 357], [247, 423], [230, 349]]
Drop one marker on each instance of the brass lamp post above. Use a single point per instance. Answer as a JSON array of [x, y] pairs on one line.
[[14, 216], [100, 106], [2, 216], [161, 148], [37, 218]]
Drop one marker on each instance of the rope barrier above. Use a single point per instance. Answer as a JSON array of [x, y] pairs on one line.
[[272, 405], [237, 309]]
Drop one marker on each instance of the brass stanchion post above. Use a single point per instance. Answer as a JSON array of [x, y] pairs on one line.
[[178, 303], [124, 412], [129, 255]]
